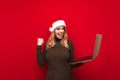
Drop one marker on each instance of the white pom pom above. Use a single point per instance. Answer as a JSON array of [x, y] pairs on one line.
[[51, 29]]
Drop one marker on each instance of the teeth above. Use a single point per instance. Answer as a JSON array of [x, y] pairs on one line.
[[61, 34]]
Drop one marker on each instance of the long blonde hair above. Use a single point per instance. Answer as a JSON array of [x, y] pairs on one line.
[[51, 40]]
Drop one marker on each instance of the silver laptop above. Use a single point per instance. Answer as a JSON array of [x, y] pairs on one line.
[[95, 51]]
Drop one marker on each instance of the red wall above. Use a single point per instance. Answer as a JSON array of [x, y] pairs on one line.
[[23, 21]]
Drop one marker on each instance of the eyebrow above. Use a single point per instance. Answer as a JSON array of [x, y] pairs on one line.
[[60, 28]]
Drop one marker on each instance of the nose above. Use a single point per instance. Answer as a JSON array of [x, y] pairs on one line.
[[61, 30]]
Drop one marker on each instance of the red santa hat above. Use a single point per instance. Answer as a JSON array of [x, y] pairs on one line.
[[57, 24]]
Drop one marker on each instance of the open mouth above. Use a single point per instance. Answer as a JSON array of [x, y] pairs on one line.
[[60, 34]]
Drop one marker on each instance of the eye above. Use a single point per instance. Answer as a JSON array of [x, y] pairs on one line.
[[60, 28], [57, 28]]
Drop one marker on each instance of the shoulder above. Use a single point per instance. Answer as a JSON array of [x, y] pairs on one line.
[[70, 43]]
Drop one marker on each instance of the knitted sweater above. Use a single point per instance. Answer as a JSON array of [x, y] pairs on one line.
[[58, 59]]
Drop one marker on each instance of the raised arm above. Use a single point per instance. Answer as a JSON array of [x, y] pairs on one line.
[[40, 54]]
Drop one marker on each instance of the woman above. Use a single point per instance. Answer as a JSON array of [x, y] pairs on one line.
[[58, 52]]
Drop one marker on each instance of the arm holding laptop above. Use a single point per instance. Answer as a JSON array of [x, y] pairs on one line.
[[95, 52]]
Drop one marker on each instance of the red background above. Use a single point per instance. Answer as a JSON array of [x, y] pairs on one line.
[[23, 21]]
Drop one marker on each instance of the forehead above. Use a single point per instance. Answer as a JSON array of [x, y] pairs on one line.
[[61, 26]]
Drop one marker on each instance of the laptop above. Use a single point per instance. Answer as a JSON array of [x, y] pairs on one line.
[[95, 51]]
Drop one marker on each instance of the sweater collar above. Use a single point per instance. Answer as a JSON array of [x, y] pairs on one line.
[[57, 40]]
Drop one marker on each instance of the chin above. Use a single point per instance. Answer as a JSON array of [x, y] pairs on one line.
[[60, 37]]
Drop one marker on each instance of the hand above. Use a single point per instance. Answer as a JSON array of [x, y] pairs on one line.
[[40, 41]]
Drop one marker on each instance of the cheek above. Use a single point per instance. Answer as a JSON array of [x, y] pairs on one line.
[[56, 31]]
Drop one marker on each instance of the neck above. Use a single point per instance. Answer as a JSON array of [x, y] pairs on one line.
[[57, 39]]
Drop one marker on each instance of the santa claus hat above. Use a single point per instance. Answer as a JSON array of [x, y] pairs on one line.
[[57, 24]]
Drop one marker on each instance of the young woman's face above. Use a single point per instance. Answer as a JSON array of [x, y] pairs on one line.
[[59, 32]]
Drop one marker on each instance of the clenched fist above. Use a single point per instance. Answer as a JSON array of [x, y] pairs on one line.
[[40, 41]]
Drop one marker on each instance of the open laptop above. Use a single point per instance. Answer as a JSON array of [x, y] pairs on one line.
[[95, 51]]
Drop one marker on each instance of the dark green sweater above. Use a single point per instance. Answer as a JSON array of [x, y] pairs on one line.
[[58, 59]]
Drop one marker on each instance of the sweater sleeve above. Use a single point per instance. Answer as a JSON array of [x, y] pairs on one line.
[[72, 56], [41, 56]]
